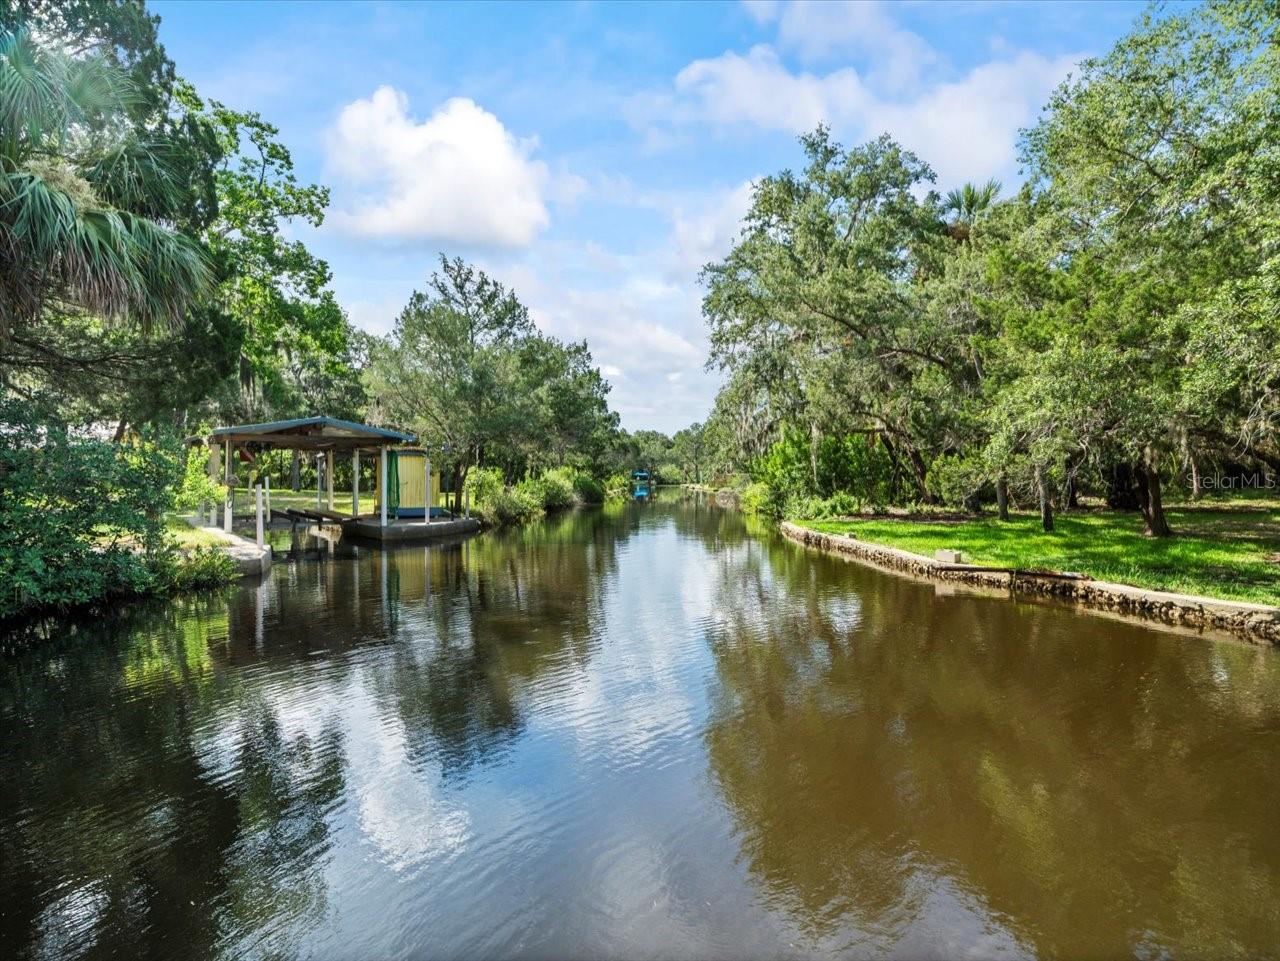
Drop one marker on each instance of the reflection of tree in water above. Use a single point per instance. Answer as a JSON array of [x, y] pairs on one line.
[[478, 623], [130, 834], [1075, 777]]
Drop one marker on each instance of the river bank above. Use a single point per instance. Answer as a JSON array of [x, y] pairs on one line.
[[1257, 623]]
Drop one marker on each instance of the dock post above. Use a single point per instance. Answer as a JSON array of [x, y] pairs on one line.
[[426, 488], [229, 507], [466, 499], [328, 476], [355, 482], [257, 490], [318, 504], [382, 487]]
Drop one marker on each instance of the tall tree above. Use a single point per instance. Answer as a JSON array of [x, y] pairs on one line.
[[449, 371]]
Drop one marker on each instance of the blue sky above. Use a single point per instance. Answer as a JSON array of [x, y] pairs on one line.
[[594, 155]]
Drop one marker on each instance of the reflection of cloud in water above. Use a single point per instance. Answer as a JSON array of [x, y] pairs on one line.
[[65, 924], [398, 808], [843, 612], [941, 920]]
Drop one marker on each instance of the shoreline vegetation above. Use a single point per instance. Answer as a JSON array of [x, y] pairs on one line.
[[1228, 549], [1256, 623]]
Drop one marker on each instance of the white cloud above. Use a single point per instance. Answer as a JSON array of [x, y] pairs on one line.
[[817, 30], [762, 11], [966, 128], [458, 176], [758, 89], [704, 234]]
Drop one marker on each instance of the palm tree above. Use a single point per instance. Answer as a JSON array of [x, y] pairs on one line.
[[968, 205], [81, 201]]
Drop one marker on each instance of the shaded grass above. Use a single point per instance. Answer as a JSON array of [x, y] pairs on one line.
[[186, 537], [1226, 550], [281, 499]]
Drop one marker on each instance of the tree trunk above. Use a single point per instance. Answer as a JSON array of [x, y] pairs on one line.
[[920, 471], [1154, 522], [895, 476], [1197, 484], [1046, 504], [1073, 494], [457, 489], [813, 457], [120, 429], [1002, 497], [295, 472]]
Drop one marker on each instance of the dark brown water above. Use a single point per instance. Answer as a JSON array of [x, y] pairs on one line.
[[636, 732]]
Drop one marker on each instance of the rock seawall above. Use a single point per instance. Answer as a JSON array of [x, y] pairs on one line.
[[1257, 623]]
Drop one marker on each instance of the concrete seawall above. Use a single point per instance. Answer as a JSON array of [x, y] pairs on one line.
[[1257, 623]]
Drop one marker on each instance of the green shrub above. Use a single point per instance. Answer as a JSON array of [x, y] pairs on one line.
[[553, 490], [81, 520], [668, 474], [199, 568], [759, 498], [617, 487], [483, 483], [587, 489], [510, 505], [197, 487], [840, 504]]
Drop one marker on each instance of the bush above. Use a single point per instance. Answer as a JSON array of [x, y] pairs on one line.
[[483, 483], [552, 491], [840, 504], [668, 474], [510, 505], [197, 487], [761, 499], [587, 489], [199, 568], [617, 486], [81, 520]]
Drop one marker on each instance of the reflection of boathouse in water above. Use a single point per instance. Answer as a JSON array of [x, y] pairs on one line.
[[640, 485]]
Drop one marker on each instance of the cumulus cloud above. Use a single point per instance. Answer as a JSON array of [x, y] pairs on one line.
[[965, 128], [705, 231], [458, 176], [758, 89], [818, 29]]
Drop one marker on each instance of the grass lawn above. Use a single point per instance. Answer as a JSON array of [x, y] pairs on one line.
[[1224, 549], [306, 499], [186, 536]]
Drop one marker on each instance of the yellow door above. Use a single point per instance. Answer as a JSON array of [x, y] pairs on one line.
[[412, 483]]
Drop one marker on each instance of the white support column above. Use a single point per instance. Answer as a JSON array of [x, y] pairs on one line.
[[382, 486], [229, 506], [267, 480], [257, 492], [426, 488], [328, 475], [355, 482], [318, 479]]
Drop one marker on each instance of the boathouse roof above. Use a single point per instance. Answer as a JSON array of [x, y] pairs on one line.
[[311, 433]]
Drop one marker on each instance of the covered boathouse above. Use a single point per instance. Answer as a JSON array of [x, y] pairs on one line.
[[405, 482]]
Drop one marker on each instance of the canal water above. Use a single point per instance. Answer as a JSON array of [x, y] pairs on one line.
[[644, 731]]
